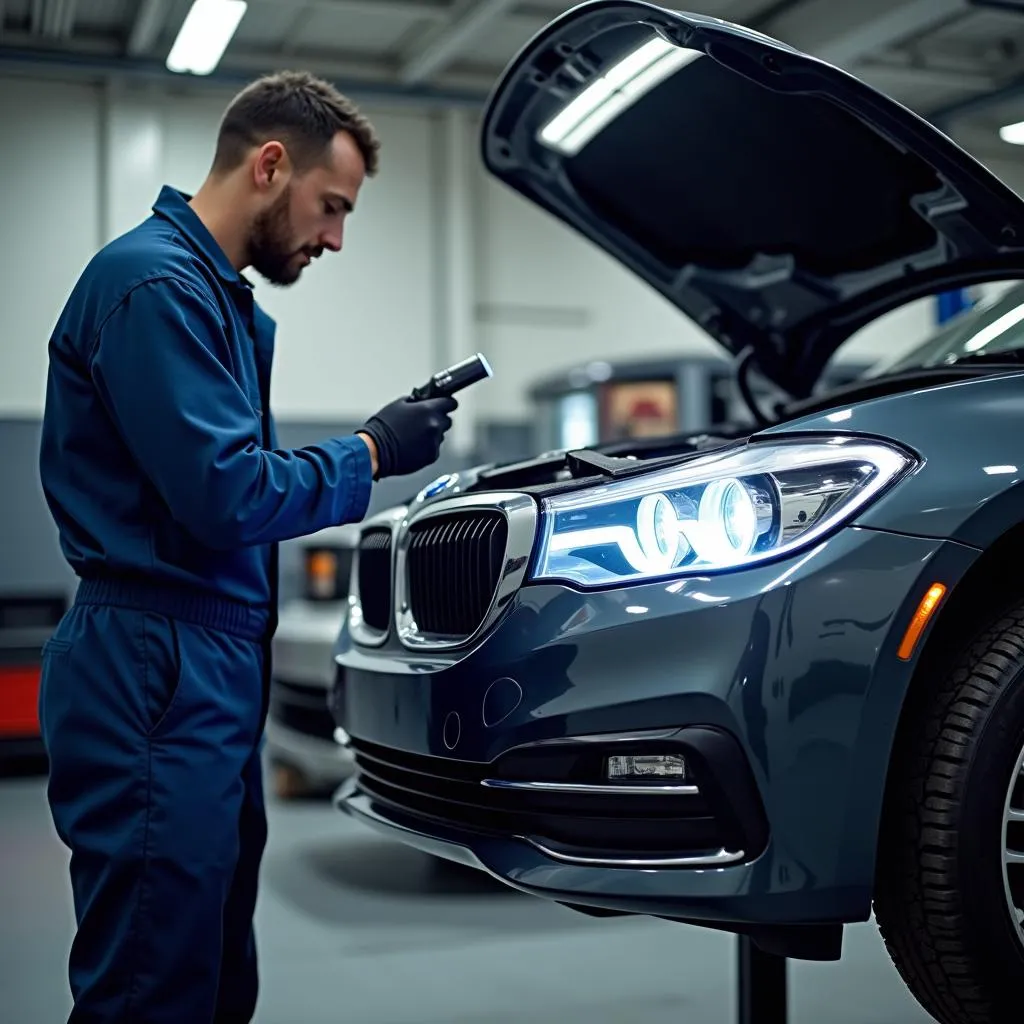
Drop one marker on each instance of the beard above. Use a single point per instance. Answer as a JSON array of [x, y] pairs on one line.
[[271, 253]]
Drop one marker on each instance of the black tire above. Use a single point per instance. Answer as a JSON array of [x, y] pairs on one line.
[[940, 900]]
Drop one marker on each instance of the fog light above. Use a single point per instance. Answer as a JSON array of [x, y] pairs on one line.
[[639, 766]]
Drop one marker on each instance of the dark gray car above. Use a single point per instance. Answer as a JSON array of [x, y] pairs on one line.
[[758, 681]]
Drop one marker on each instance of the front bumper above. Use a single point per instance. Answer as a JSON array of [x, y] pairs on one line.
[[794, 664]]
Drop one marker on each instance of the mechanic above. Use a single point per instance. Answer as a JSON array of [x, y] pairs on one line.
[[160, 465]]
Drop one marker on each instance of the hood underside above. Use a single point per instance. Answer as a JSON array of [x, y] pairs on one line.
[[776, 200]]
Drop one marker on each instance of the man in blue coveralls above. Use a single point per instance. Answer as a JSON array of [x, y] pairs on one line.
[[160, 465]]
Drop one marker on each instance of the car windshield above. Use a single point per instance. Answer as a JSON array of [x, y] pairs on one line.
[[982, 332]]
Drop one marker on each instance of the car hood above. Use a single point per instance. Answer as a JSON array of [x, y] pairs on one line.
[[776, 200]]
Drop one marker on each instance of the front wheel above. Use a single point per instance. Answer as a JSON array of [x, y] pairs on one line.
[[949, 897]]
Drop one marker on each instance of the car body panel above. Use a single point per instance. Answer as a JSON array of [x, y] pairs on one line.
[[775, 199], [795, 659], [970, 486]]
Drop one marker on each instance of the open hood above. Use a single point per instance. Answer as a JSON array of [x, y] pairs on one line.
[[778, 201]]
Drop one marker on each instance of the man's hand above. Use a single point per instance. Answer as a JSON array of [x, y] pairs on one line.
[[408, 434]]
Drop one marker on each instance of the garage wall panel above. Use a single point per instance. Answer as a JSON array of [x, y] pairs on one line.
[[49, 209]]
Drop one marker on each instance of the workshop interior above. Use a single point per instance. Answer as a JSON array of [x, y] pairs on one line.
[[687, 683]]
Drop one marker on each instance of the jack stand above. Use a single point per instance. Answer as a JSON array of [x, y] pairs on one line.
[[762, 985]]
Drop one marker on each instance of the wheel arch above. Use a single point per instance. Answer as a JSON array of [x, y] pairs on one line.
[[983, 592]]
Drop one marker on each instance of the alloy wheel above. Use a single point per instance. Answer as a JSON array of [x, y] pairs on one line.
[[1013, 847]]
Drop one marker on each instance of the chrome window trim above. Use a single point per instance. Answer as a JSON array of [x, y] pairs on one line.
[[362, 634], [522, 515]]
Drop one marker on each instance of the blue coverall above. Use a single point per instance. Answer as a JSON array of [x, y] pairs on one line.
[[160, 465]]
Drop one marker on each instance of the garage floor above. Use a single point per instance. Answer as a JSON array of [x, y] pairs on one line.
[[355, 928]]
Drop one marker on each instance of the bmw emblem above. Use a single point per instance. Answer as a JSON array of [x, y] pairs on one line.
[[436, 487]]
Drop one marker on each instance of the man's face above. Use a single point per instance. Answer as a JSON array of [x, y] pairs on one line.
[[307, 215]]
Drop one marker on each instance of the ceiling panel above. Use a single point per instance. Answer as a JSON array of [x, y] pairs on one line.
[[979, 28], [105, 15], [729, 10], [740, 12], [92, 15], [1007, 111], [364, 38], [323, 28], [266, 25], [545, 8], [496, 48], [918, 93]]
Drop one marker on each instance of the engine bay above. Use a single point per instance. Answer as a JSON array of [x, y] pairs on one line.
[[555, 471]]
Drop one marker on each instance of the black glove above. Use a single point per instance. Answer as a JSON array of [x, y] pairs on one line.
[[408, 434]]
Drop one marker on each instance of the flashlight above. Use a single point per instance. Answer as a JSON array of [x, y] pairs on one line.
[[445, 383]]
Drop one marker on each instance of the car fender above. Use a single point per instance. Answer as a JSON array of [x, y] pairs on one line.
[[969, 484]]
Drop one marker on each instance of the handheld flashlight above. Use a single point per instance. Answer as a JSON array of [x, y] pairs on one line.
[[445, 383]]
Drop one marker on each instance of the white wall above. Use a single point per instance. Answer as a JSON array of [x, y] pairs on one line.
[[49, 219], [439, 260]]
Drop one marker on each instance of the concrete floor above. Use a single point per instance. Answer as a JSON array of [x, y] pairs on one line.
[[352, 927]]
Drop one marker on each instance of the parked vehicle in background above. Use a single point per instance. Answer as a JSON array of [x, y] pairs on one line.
[[301, 736], [27, 622]]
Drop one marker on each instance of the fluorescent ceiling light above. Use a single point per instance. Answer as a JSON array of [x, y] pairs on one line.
[[620, 87], [204, 36], [1013, 133]]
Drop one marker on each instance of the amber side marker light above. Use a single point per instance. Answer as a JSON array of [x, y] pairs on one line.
[[321, 567], [925, 610]]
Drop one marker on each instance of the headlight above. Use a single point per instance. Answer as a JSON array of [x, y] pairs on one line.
[[712, 514]]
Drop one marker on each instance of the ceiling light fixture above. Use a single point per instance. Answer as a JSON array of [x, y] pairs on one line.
[[1013, 133], [616, 90], [204, 35]]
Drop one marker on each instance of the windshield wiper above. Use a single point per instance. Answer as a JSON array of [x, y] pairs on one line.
[[1009, 357], [895, 382]]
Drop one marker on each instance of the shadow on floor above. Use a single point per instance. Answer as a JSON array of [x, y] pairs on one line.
[[390, 869], [392, 889]]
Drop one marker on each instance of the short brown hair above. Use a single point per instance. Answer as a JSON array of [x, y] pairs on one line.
[[299, 110]]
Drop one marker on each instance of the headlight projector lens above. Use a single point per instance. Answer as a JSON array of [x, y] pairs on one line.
[[657, 530]]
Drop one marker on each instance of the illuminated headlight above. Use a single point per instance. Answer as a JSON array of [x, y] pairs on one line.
[[714, 513]]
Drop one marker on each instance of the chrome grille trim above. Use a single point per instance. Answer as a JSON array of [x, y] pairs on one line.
[[362, 633], [521, 514]]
